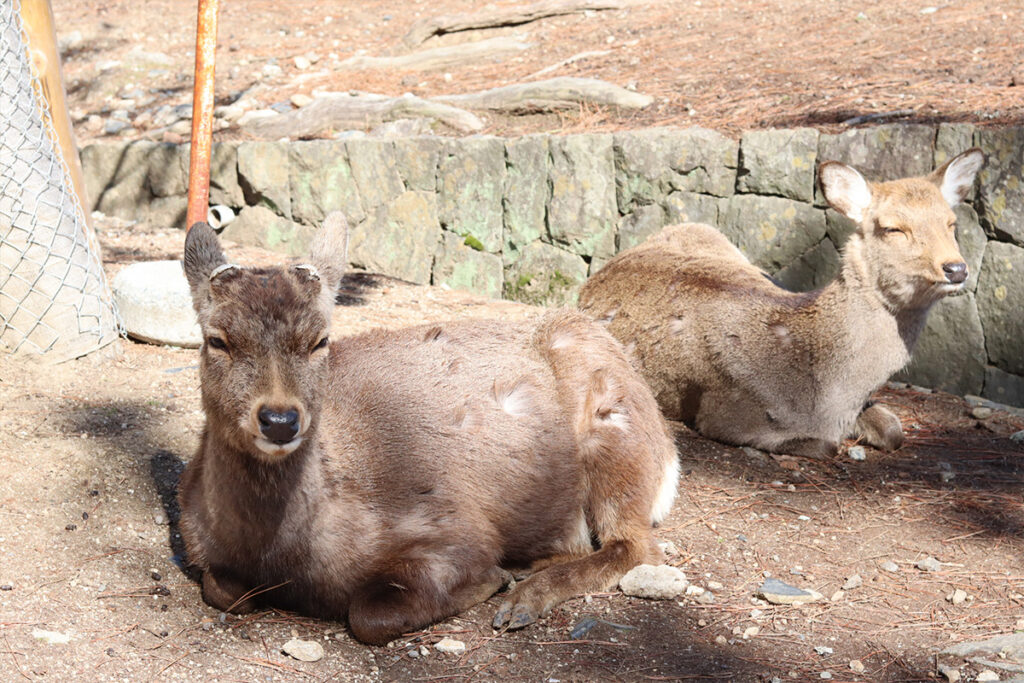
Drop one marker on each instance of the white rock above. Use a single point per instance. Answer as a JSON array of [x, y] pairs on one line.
[[304, 650], [302, 63], [824, 650], [51, 637], [952, 674], [857, 453], [981, 412], [450, 646], [957, 597], [857, 666], [827, 675], [715, 586], [663, 582], [300, 100], [854, 581], [929, 564], [694, 589], [271, 70], [890, 566], [987, 675], [750, 632], [156, 304]]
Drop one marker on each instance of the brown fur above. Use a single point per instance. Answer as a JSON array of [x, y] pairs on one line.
[[430, 459], [746, 362]]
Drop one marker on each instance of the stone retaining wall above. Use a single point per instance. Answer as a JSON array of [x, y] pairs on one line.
[[530, 218]]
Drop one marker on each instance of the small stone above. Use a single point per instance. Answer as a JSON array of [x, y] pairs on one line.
[[70, 527], [890, 566], [281, 107], [779, 593], [6, 587], [1017, 437], [155, 575], [929, 564], [827, 675], [987, 675], [981, 412], [750, 632], [115, 126], [852, 582], [300, 100], [705, 598], [413, 654], [694, 589], [669, 548], [957, 597], [51, 637], [304, 650], [159, 518], [721, 640], [837, 596], [424, 651], [824, 650], [952, 674], [857, 666], [663, 582], [702, 623], [271, 70], [857, 453], [302, 63], [450, 646], [715, 586]]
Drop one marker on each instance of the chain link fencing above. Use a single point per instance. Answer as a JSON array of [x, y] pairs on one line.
[[54, 300]]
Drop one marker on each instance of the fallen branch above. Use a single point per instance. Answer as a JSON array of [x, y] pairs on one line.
[[442, 57], [570, 60], [866, 118], [551, 94], [344, 112], [501, 16]]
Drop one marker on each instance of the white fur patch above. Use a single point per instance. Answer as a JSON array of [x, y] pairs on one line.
[[313, 272], [959, 176], [278, 450], [514, 400], [561, 340], [616, 418], [845, 189], [666, 492], [222, 268], [579, 542]]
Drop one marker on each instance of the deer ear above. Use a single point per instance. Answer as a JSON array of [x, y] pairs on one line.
[[845, 189], [329, 252], [955, 178], [202, 257]]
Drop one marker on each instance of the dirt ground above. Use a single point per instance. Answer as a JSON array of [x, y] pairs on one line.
[[729, 65], [91, 452]]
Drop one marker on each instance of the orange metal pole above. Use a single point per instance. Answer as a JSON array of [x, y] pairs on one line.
[[202, 114]]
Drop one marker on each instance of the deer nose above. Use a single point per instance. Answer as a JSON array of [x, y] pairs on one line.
[[279, 428], [956, 272]]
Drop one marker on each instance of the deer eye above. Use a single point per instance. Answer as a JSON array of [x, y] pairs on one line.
[[216, 343], [892, 231], [322, 344]]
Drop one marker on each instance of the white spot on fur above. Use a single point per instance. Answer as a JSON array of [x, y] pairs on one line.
[[313, 272], [617, 418], [579, 542], [513, 399], [676, 326], [666, 492]]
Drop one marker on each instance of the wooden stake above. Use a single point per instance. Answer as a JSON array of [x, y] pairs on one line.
[[202, 114]]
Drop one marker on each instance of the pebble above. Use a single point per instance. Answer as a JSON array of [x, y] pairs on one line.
[[281, 107], [115, 126], [1017, 437], [300, 100], [957, 597], [780, 593], [721, 640], [51, 637], [952, 674], [987, 675], [857, 453], [750, 632], [857, 666], [705, 598], [6, 587], [981, 412], [852, 582], [424, 651], [155, 575], [271, 70], [827, 675], [304, 650], [302, 63], [890, 566], [159, 518], [663, 582], [929, 564], [450, 646], [715, 586], [824, 650], [694, 589]]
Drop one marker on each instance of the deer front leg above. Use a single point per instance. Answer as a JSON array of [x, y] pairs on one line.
[[879, 427], [225, 593], [392, 604]]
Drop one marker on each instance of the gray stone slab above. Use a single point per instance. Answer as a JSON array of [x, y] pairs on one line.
[[417, 160], [971, 238], [950, 140], [635, 227], [471, 181], [258, 226], [263, 171], [460, 266], [582, 212], [950, 353], [527, 193], [690, 207], [771, 231], [1000, 302], [320, 181], [167, 170], [224, 186], [375, 171], [545, 275], [814, 269], [1001, 183], [400, 238], [778, 162], [1003, 387], [115, 178]]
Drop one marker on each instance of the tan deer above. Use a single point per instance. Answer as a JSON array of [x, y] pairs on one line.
[[393, 477], [746, 362]]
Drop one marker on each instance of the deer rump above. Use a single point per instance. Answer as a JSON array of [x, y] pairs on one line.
[[431, 460]]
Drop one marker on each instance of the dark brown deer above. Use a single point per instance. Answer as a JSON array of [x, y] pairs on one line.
[[745, 362], [394, 477]]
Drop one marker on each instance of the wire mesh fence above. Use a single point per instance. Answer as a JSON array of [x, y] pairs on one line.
[[54, 300]]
